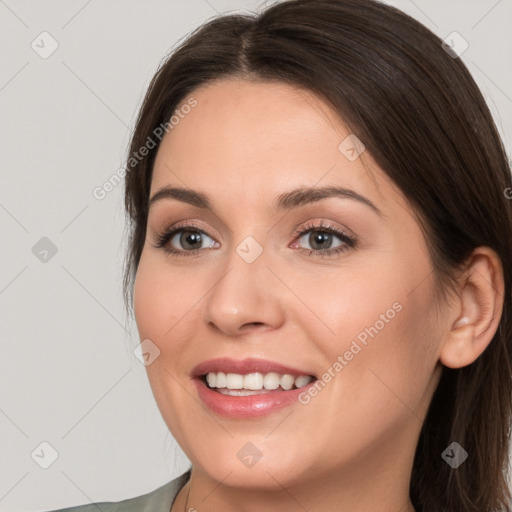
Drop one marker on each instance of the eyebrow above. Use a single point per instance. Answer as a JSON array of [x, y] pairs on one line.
[[285, 201]]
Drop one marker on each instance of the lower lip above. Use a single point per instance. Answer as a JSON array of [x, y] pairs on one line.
[[250, 406]]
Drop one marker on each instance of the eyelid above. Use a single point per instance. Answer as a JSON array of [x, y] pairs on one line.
[[321, 224], [192, 224]]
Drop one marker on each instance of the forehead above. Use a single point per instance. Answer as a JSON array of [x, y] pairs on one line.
[[251, 140]]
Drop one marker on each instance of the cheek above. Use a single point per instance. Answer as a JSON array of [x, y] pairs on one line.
[[163, 308], [378, 322], [163, 298], [149, 301], [354, 304]]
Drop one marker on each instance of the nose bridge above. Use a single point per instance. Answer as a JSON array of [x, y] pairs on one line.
[[244, 293]]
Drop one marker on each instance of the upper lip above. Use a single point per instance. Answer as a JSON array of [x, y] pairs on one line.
[[245, 366]]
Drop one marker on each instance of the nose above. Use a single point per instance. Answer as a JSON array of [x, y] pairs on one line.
[[244, 296]]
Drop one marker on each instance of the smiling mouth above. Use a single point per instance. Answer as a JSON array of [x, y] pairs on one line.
[[235, 384]]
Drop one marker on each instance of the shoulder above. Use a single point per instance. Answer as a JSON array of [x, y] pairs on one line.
[[159, 500]]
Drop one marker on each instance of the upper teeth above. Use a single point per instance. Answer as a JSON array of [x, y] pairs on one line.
[[255, 381]]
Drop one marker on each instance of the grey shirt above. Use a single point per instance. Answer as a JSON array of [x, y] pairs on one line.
[[159, 500]]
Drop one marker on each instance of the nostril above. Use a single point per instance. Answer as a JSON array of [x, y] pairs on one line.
[[253, 323]]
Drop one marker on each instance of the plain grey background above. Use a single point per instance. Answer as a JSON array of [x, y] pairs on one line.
[[68, 373]]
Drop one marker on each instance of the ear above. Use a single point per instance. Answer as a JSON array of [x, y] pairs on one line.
[[477, 310]]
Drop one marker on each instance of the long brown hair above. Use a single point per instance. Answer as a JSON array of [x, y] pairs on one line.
[[423, 119]]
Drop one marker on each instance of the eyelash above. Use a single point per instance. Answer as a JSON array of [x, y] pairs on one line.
[[349, 241]]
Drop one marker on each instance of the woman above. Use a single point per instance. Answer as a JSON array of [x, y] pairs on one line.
[[320, 266]]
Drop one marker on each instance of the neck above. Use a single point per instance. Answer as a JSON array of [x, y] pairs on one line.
[[363, 490]]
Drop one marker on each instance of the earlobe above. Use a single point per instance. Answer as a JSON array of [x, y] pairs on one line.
[[459, 349], [479, 308]]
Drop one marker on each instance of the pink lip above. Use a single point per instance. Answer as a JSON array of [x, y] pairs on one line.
[[245, 406], [244, 367], [250, 406]]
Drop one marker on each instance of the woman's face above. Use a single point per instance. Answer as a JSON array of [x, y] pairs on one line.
[[359, 318]]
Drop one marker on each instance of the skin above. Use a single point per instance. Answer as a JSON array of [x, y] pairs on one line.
[[351, 447]]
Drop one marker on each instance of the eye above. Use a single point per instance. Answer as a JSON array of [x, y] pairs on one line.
[[188, 236], [320, 237], [188, 239]]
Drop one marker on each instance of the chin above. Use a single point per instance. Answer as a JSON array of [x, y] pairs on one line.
[[257, 464]]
